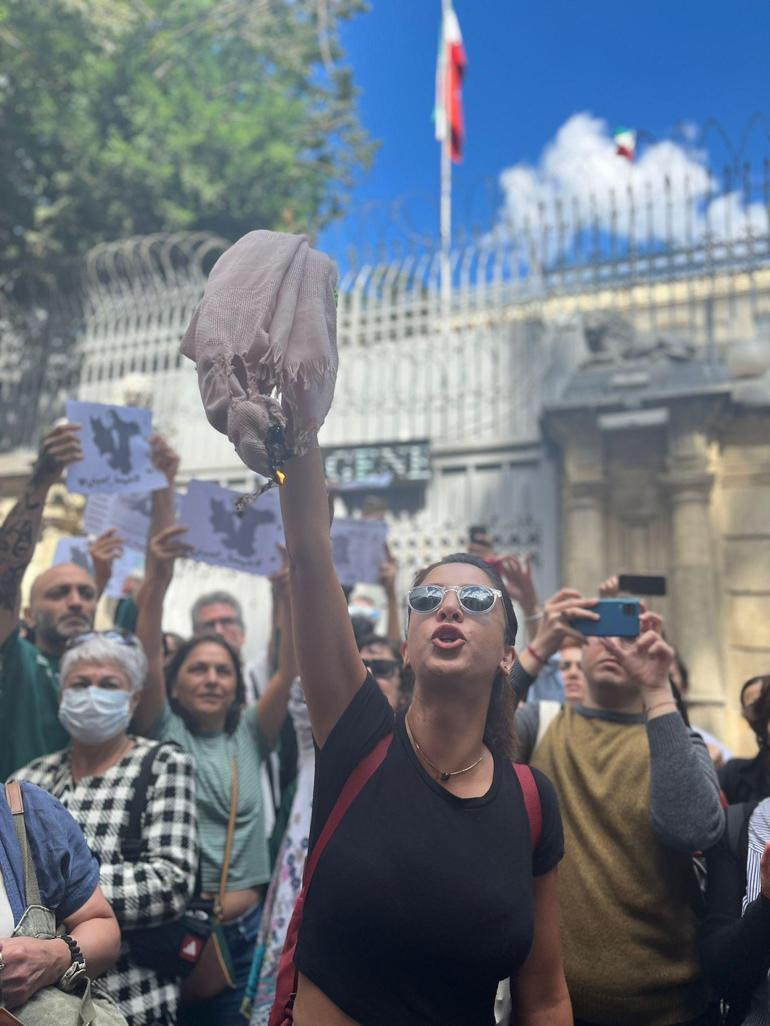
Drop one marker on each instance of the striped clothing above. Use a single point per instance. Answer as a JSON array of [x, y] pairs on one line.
[[759, 835], [213, 755], [156, 888]]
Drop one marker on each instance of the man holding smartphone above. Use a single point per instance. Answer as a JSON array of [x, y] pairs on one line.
[[638, 796]]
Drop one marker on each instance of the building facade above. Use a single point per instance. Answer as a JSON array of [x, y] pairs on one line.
[[607, 414]]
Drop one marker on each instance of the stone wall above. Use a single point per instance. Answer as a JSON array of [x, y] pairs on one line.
[[688, 497]]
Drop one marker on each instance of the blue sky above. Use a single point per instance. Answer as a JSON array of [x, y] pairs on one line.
[[531, 66]]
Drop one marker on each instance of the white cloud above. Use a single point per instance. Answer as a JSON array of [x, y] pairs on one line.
[[581, 186]]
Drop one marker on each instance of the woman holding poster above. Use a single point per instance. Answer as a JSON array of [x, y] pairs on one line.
[[198, 701]]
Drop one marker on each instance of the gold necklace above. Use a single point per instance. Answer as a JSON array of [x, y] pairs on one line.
[[443, 775]]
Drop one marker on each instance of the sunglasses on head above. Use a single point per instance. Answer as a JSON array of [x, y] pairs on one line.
[[122, 637], [473, 598], [382, 667]]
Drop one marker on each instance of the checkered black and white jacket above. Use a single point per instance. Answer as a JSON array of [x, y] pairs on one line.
[[154, 889]]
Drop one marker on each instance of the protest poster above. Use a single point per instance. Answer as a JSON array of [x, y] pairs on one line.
[[222, 536], [358, 550], [128, 512], [130, 564], [74, 550], [116, 449]]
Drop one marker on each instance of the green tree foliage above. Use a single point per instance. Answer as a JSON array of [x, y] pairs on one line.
[[124, 117]]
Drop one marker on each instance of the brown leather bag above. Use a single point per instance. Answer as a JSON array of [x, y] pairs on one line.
[[213, 972]]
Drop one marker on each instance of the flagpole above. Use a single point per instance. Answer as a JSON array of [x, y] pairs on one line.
[[446, 191]]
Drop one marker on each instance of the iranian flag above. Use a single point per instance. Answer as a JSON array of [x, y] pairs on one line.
[[625, 143], [450, 71]]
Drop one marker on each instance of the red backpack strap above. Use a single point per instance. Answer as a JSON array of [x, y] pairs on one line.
[[286, 982], [531, 801]]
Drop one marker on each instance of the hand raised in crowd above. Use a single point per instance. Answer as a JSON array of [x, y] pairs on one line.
[[58, 449], [555, 623], [279, 581], [609, 588], [647, 659], [388, 573], [517, 577], [104, 551], [164, 457], [165, 548], [29, 965]]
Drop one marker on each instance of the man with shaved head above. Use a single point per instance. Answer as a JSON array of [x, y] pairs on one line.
[[62, 603]]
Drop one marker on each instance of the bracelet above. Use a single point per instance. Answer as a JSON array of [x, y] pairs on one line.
[[535, 656], [535, 616], [76, 954], [668, 701]]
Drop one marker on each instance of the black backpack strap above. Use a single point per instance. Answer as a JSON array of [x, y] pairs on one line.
[[131, 842]]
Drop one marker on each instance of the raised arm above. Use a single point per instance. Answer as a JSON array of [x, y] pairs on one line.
[[329, 663], [685, 809], [165, 545], [104, 551], [388, 574], [273, 703], [20, 531], [164, 549]]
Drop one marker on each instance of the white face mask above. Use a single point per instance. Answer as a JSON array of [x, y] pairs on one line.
[[94, 715]]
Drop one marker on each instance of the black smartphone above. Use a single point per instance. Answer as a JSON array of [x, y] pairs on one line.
[[642, 584], [478, 534]]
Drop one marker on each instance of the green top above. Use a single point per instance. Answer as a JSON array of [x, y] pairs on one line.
[[213, 754], [29, 705]]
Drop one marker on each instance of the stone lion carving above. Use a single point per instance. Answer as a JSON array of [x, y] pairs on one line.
[[611, 338]]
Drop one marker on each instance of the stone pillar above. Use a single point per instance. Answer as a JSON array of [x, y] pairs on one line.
[[695, 627], [584, 492]]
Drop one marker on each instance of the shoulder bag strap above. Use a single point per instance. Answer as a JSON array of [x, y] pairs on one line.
[[16, 802], [353, 787], [531, 801], [131, 842], [230, 833], [286, 980]]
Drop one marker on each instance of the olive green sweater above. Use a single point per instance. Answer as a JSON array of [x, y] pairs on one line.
[[628, 899]]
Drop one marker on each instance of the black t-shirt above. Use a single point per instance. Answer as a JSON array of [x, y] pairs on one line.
[[422, 901]]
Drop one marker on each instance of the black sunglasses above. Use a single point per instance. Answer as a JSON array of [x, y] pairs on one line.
[[382, 667]]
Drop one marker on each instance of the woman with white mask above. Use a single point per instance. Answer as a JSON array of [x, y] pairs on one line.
[[95, 778]]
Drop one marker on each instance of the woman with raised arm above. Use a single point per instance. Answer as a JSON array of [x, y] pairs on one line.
[[428, 892], [198, 700]]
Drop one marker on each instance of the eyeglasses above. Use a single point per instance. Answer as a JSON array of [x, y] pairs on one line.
[[473, 598], [122, 637], [382, 667], [221, 621]]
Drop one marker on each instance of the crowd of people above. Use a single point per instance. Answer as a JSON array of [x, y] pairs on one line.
[[495, 822]]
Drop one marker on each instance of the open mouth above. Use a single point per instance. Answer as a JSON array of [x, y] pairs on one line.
[[448, 637]]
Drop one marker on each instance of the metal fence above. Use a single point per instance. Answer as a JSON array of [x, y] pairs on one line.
[[682, 256]]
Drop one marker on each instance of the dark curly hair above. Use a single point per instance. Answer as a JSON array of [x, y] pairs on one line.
[[499, 729], [175, 663]]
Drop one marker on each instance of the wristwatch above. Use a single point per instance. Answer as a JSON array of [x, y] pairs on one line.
[[77, 969]]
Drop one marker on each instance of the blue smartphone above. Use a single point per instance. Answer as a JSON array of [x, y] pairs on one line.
[[618, 618]]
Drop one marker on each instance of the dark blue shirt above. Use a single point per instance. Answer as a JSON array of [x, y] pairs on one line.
[[67, 872]]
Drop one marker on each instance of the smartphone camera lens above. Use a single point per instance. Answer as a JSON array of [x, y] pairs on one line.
[[629, 609]]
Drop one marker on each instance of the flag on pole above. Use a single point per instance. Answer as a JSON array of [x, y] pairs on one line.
[[450, 71], [625, 143]]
